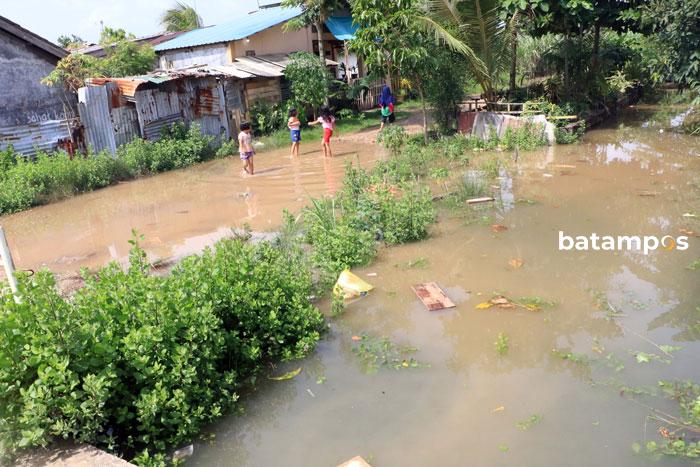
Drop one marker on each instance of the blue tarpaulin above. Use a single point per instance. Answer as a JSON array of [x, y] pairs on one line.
[[341, 27]]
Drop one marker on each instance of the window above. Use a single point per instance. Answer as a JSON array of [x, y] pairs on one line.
[[250, 53]]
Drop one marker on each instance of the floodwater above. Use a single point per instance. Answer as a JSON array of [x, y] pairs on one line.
[[178, 212], [626, 178], [464, 409]]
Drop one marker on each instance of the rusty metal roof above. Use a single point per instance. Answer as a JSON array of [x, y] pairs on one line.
[[265, 66]]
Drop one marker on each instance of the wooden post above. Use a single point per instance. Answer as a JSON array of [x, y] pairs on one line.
[[8, 264], [347, 63]]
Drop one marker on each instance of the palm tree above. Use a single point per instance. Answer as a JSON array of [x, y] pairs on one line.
[[481, 35], [181, 17], [314, 12]]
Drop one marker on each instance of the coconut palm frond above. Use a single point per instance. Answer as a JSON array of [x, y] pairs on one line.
[[181, 17], [442, 35]]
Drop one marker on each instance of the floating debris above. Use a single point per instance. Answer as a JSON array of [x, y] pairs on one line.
[[484, 199], [286, 376], [182, 453], [380, 352], [356, 461], [432, 296]]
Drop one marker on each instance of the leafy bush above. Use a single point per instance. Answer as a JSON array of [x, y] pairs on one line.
[[266, 118], [336, 245], [137, 362], [393, 137]]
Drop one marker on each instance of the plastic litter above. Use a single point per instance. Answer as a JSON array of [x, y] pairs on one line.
[[182, 453], [356, 461], [351, 286]]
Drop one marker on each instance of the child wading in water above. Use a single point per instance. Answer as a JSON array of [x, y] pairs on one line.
[[294, 126], [327, 120], [245, 147]]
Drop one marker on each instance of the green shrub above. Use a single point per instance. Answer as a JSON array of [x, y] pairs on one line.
[[137, 362], [405, 217], [393, 137], [265, 118], [337, 245], [16, 194]]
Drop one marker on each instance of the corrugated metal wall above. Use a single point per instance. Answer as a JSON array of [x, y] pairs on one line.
[[93, 106], [125, 121], [111, 121], [27, 139]]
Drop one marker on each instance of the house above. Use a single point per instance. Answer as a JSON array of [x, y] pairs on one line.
[[32, 115], [258, 34], [115, 111]]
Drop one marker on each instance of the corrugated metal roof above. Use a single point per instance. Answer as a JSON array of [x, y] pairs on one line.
[[239, 28], [342, 27], [266, 66]]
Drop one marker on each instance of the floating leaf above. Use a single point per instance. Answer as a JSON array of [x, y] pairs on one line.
[[498, 228], [528, 423], [516, 263], [669, 348], [484, 305], [500, 408], [643, 357], [286, 376], [503, 447], [356, 338]]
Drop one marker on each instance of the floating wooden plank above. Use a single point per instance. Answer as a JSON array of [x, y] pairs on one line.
[[485, 199], [432, 296], [356, 461]]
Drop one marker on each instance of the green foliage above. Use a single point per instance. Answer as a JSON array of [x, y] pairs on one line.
[[70, 42], [266, 118], [139, 363], [309, 79], [181, 17], [380, 352], [123, 57], [336, 245], [529, 422], [676, 24], [393, 137], [502, 344]]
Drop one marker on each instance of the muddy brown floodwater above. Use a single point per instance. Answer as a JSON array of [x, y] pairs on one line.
[[626, 178], [178, 212], [464, 409]]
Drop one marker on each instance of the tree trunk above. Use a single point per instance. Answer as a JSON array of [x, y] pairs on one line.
[[596, 47], [421, 94], [321, 50], [347, 63], [319, 37], [566, 64], [513, 55]]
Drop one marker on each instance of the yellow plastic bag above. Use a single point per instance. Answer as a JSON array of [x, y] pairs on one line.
[[350, 286]]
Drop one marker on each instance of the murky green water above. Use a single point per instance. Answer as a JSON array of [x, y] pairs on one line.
[[628, 179]]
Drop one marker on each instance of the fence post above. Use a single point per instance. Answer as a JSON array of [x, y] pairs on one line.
[[8, 264]]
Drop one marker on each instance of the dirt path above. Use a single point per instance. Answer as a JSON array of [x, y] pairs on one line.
[[413, 123]]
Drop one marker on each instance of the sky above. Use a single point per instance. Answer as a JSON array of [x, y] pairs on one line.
[[51, 18]]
